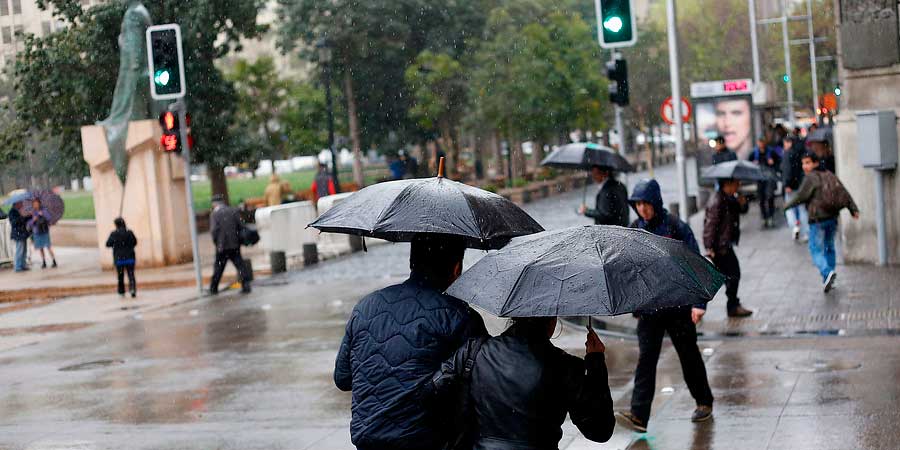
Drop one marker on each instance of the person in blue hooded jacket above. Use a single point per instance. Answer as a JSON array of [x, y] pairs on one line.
[[395, 340], [680, 323]]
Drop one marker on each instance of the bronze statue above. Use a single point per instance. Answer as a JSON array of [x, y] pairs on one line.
[[131, 100]]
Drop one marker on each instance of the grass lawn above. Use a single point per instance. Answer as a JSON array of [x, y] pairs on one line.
[[80, 205]]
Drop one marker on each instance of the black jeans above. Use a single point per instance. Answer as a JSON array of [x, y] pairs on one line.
[[222, 258], [727, 263], [766, 192], [650, 330], [120, 273]]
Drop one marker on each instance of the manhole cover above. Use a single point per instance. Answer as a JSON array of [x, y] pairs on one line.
[[92, 365], [818, 365]]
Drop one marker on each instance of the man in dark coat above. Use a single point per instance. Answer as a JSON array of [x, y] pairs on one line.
[[122, 242], [770, 162], [612, 199], [680, 323], [18, 223], [722, 154], [225, 227], [792, 176], [721, 232], [395, 340]]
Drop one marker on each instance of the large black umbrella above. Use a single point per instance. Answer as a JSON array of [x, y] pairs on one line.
[[736, 170], [583, 156], [400, 210], [586, 271]]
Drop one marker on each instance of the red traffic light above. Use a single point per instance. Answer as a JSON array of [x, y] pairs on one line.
[[170, 143], [168, 121]]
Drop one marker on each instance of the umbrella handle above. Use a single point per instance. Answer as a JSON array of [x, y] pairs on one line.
[[441, 168]]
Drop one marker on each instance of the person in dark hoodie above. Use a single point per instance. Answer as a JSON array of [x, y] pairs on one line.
[[395, 340], [612, 199], [679, 323], [721, 232], [721, 153], [122, 242]]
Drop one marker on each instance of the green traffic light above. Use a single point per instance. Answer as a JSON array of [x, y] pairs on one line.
[[162, 77], [837, 91], [613, 24], [786, 78]]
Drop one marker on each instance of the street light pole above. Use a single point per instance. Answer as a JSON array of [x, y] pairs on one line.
[[812, 56], [757, 78], [787, 64], [325, 58], [675, 81]]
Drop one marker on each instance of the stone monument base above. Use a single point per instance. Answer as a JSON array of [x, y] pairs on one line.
[[154, 203]]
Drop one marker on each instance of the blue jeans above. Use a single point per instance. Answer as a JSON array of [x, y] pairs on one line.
[[796, 216], [821, 245], [21, 254]]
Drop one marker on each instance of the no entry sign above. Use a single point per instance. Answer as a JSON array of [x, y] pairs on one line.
[[667, 111]]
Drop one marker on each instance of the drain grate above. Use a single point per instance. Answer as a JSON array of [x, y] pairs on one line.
[[817, 365], [92, 365]]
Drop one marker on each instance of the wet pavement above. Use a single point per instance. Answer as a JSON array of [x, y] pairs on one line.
[[248, 372]]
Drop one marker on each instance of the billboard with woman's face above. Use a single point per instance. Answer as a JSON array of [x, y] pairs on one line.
[[729, 117]]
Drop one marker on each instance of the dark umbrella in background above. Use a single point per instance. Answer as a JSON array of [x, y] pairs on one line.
[[736, 170], [584, 156], [400, 210], [586, 271], [50, 201]]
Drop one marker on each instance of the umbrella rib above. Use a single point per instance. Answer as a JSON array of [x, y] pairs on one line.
[[512, 291]]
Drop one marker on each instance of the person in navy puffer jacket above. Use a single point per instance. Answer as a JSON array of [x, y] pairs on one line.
[[395, 340]]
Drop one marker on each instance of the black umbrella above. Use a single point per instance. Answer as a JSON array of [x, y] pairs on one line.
[[583, 156], [400, 210], [586, 271], [736, 170]]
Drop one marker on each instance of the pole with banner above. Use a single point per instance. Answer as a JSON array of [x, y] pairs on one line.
[[165, 58]]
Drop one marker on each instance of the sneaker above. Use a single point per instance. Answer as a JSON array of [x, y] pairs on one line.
[[739, 311], [701, 414], [628, 420], [796, 233], [829, 281]]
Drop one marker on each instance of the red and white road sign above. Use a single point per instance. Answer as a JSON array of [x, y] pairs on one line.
[[667, 111]]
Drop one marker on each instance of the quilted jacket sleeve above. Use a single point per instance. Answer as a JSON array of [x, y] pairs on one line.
[[591, 404], [343, 372]]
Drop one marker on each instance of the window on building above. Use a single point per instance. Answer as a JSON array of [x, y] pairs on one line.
[[17, 6], [7, 35], [45, 28], [4, 7]]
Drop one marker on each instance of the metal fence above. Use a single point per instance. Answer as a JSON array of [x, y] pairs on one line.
[[7, 248]]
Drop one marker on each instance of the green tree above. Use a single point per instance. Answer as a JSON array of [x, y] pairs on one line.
[[262, 95], [305, 120], [65, 80]]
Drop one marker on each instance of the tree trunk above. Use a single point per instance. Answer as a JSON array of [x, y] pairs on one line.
[[353, 122], [449, 141], [537, 151], [219, 184]]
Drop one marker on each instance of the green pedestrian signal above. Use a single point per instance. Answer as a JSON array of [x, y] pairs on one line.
[[616, 23], [786, 78], [166, 61], [837, 91]]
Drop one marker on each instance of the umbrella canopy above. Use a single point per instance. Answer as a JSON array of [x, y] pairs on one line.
[[16, 197], [400, 210], [586, 271], [50, 201], [583, 156], [737, 170]]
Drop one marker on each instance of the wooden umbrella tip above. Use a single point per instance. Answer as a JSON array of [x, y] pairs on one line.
[[441, 168]]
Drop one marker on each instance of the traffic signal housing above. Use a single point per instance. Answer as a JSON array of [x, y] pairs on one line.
[[616, 25], [171, 128], [166, 62], [617, 72]]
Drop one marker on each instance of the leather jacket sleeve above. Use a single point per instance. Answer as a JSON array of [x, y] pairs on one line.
[[590, 402], [711, 224]]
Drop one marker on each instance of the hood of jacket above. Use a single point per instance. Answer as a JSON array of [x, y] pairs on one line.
[[648, 191]]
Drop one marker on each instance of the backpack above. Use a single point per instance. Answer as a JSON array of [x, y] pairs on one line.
[[833, 194]]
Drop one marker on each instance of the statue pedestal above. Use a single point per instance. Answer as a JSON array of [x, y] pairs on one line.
[[154, 205]]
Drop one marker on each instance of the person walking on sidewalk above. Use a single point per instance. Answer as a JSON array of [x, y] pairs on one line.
[[721, 232], [395, 341], [792, 176], [40, 232], [612, 199], [518, 388], [722, 154], [225, 227], [122, 242], [770, 162], [824, 196], [680, 323], [18, 223]]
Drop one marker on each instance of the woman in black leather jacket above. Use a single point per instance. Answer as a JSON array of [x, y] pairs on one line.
[[520, 388]]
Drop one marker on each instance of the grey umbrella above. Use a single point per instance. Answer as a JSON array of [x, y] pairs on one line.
[[584, 155], [586, 271], [736, 170], [17, 197], [401, 210]]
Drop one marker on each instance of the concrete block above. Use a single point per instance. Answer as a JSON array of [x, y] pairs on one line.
[[283, 227]]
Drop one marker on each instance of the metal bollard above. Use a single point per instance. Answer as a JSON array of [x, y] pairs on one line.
[[310, 254], [278, 261]]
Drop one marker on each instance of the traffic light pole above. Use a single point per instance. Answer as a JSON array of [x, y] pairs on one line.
[[620, 126], [675, 81], [181, 106]]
